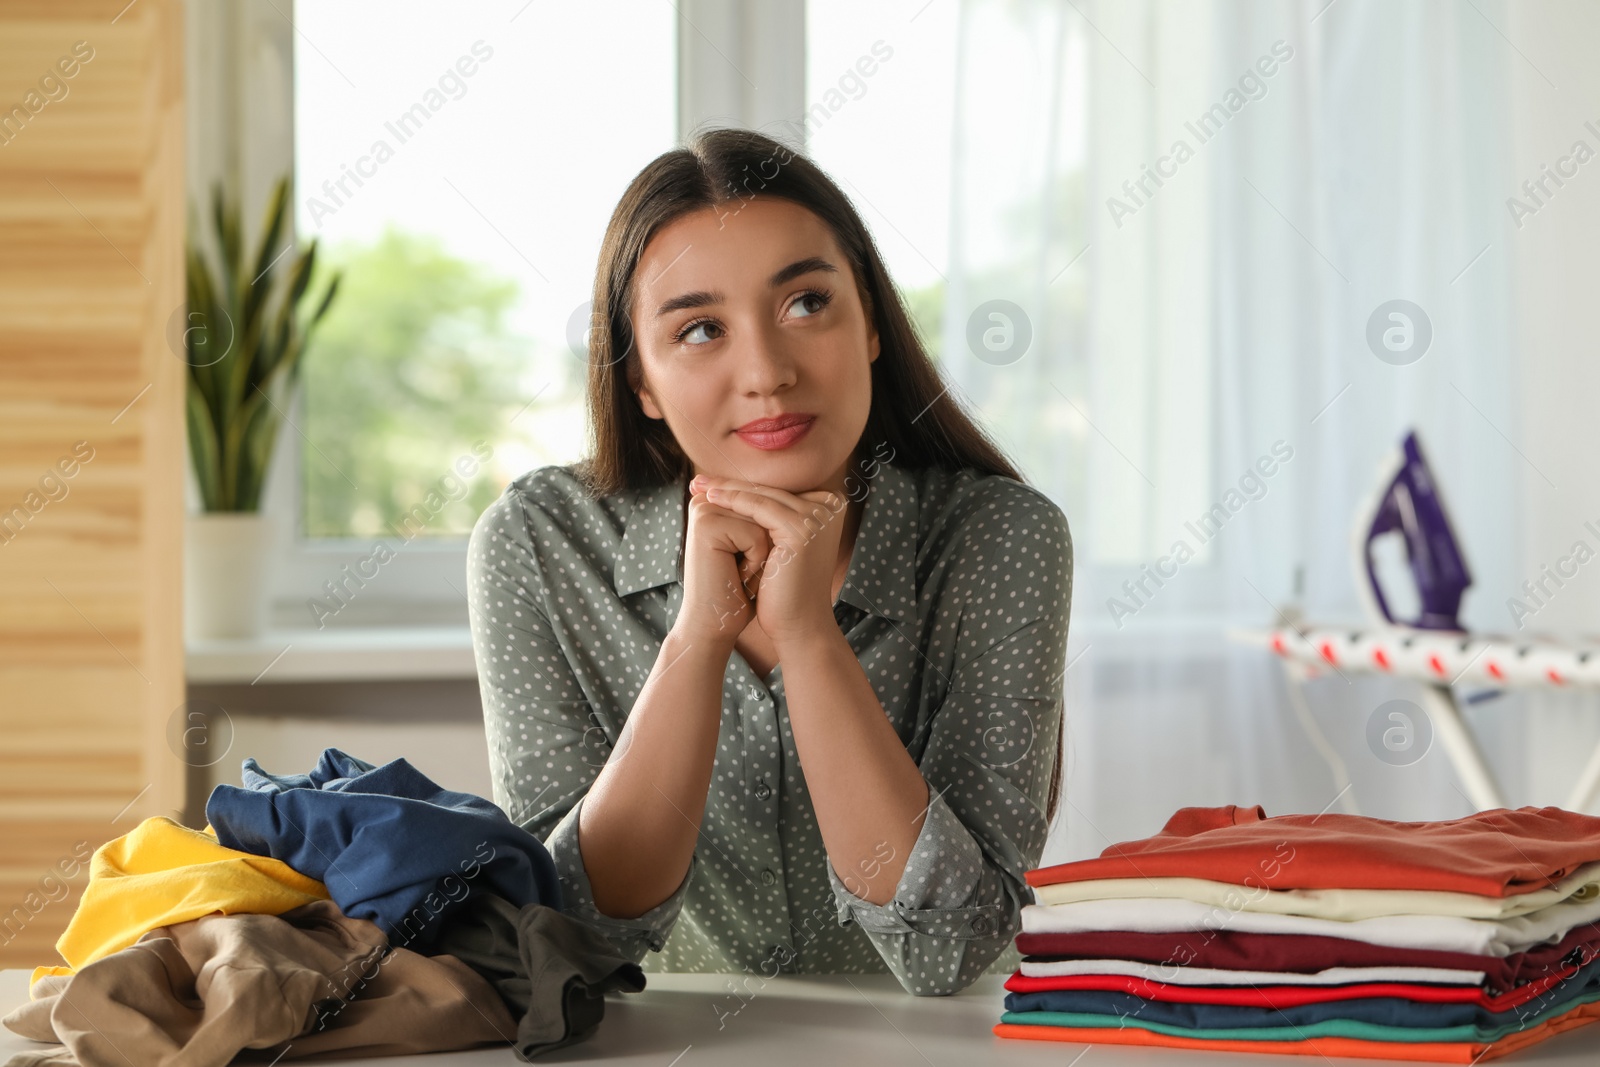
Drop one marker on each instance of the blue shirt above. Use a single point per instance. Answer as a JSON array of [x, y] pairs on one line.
[[955, 603], [391, 846]]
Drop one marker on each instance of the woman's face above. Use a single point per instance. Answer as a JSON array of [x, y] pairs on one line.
[[747, 311]]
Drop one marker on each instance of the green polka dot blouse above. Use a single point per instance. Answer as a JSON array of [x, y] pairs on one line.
[[956, 604]]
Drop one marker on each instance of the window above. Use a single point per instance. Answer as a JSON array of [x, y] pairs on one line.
[[959, 132], [879, 92], [458, 165]]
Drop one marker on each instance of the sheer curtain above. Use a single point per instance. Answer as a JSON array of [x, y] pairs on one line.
[[1196, 316]]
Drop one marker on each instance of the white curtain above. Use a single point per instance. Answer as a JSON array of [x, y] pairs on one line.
[[1355, 154]]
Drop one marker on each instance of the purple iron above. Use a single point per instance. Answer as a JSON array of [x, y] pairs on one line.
[[1409, 504]]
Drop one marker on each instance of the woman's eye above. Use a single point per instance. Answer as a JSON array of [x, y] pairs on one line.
[[820, 301], [690, 330]]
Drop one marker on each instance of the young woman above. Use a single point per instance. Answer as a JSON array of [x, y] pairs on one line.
[[776, 671]]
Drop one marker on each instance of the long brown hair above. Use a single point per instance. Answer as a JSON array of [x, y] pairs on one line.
[[912, 408]]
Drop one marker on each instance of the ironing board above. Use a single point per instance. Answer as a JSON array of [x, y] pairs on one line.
[[1440, 659]]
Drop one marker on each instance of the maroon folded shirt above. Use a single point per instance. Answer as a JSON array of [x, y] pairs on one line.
[[1496, 853], [1306, 953]]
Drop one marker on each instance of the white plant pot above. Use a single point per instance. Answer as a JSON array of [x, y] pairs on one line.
[[225, 568]]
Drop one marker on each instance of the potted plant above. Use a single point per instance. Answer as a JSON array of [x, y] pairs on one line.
[[243, 338]]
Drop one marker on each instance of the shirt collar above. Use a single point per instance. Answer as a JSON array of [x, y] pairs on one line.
[[882, 575]]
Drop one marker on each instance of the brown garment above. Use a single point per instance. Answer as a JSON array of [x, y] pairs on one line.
[[195, 994]]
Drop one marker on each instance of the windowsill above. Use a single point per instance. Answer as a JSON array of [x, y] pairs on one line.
[[337, 653], [443, 650]]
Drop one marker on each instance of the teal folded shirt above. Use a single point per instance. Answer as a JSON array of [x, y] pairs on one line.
[[1397, 1011], [1328, 1028]]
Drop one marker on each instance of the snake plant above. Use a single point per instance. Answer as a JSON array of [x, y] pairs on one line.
[[243, 342]]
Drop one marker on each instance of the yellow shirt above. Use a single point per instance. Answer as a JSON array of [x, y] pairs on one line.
[[162, 873]]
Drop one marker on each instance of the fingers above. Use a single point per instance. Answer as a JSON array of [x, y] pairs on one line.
[[831, 501], [752, 564], [747, 541], [776, 509], [727, 488], [750, 572]]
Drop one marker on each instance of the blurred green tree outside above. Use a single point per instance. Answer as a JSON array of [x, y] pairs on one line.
[[414, 364]]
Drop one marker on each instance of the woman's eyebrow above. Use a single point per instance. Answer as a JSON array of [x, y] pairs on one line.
[[702, 297]]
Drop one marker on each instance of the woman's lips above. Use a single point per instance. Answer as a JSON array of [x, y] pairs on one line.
[[770, 440]]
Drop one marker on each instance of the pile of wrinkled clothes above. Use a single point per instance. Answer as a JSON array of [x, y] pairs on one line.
[[355, 910]]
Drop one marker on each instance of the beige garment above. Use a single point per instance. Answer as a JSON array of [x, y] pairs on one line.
[[196, 993], [1344, 904], [415, 1003]]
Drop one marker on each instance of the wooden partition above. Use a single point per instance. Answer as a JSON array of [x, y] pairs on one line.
[[91, 443]]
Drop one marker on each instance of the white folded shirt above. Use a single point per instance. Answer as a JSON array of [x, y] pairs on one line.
[[1442, 933], [1174, 975], [1342, 904]]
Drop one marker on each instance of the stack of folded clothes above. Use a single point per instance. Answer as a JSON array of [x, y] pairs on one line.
[[355, 910], [1332, 935]]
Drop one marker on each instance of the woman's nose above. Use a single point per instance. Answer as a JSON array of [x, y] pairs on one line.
[[765, 362]]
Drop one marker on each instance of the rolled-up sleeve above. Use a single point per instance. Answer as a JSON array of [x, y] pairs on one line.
[[545, 746], [633, 937], [989, 758]]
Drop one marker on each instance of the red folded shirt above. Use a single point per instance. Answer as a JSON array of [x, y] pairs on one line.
[[1495, 853], [1307, 953], [1290, 996]]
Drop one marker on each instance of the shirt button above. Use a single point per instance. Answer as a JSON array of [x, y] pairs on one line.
[[763, 790], [980, 925], [769, 876]]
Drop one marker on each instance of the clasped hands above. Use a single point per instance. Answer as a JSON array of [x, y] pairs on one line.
[[791, 586]]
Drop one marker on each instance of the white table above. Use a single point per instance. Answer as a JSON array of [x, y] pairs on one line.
[[692, 1020]]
